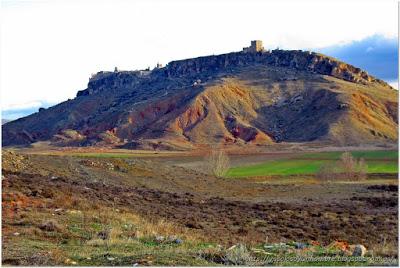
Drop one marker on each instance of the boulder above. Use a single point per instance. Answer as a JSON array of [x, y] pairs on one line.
[[359, 251]]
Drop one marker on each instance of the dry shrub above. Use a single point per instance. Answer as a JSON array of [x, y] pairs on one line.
[[32, 231], [327, 172], [217, 163], [69, 201], [352, 169], [115, 234], [50, 226], [57, 255], [347, 168], [96, 242], [385, 248], [240, 255]]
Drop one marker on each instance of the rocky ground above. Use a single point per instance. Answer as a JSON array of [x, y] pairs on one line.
[[222, 212]]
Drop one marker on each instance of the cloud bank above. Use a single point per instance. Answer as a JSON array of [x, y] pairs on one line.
[[12, 112], [377, 54]]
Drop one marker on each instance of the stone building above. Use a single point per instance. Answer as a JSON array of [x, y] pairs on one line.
[[256, 46]]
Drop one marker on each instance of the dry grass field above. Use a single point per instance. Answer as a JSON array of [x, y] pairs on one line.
[[141, 208]]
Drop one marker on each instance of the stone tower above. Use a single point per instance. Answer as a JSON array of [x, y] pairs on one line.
[[256, 46]]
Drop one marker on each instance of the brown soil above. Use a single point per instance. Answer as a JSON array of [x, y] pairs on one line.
[[223, 211]]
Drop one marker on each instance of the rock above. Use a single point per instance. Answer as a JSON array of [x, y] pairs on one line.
[[174, 239], [160, 238], [16, 234], [359, 251], [342, 106], [105, 234], [300, 245], [178, 241], [69, 261], [110, 258]]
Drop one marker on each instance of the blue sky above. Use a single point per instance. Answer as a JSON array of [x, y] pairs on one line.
[[50, 48], [375, 54]]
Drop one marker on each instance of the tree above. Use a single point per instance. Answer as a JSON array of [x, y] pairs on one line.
[[353, 168], [362, 169], [348, 165], [327, 172], [347, 168], [217, 163]]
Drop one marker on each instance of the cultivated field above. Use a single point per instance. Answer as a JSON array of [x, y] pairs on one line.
[[378, 162], [113, 207]]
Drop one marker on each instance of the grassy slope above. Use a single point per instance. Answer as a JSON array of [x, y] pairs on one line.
[[377, 161]]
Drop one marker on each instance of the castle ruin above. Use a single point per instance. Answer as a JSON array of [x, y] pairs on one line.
[[256, 46]]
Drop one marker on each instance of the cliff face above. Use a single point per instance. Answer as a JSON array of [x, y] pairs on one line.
[[295, 59], [232, 99], [207, 67]]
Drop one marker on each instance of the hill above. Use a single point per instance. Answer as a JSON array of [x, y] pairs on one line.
[[3, 121], [238, 98]]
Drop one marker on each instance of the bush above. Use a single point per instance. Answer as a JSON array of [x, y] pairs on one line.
[[50, 226], [347, 168], [217, 163], [327, 172], [240, 255]]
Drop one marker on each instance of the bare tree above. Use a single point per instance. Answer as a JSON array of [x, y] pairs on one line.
[[347, 168], [348, 164], [217, 163], [327, 172], [362, 169]]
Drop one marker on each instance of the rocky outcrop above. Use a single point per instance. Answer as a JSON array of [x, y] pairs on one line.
[[210, 66], [296, 59]]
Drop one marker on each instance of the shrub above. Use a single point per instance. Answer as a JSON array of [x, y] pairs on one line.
[[217, 163], [50, 226], [362, 169], [327, 172], [240, 255], [348, 165], [347, 168]]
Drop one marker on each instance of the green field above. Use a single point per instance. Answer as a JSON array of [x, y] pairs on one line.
[[309, 163]]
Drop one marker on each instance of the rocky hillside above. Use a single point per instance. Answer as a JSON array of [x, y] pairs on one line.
[[230, 99]]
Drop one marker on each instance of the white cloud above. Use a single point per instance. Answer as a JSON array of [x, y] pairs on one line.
[[25, 105], [394, 84], [50, 48], [369, 49]]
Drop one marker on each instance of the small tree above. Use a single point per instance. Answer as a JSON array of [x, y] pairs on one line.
[[217, 163], [347, 168], [348, 164], [327, 172], [353, 168], [362, 169]]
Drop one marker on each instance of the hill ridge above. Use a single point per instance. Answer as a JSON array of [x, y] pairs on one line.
[[197, 101]]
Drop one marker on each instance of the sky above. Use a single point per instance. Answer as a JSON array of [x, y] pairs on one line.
[[49, 49]]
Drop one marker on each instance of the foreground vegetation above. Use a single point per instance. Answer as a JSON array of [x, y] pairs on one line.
[[69, 231], [310, 163], [81, 211]]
